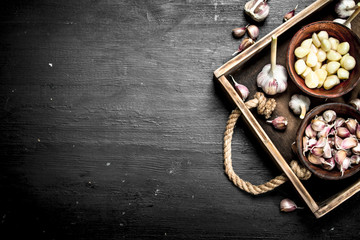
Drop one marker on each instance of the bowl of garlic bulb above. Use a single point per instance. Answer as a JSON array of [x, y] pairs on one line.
[[323, 59], [327, 141]]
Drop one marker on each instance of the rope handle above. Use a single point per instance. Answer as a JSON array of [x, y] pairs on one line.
[[264, 107]]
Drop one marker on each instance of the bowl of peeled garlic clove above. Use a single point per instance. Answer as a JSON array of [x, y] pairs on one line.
[[327, 141], [323, 59]]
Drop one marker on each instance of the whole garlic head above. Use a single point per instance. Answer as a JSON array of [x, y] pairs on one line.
[[272, 82], [257, 9], [299, 104], [344, 8]]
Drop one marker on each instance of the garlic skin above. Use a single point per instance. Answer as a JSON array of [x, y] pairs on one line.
[[258, 10], [299, 104], [273, 78], [344, 8], [287, 205]]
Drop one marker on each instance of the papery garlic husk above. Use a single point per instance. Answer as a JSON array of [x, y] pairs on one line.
[[309, 132], [242, 90], [328, 164], [287, 205], [325, 132], [317, 151], [344, 8], [348, 143], [239, 32], [327, 150], [290, 14], [338, 142], [351, 125], [253, 31], [317, 125], [355, 103], [316, 160], [355, 159], [339, 122], [258, 10], [343, 132], [356, 149], [329, 116], [279, 123], [245, 43]]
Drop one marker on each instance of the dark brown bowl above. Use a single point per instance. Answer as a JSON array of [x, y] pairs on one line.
[[342, 110], [343, 34]]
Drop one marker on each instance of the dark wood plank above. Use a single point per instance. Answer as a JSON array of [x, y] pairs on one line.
[[112, 126]]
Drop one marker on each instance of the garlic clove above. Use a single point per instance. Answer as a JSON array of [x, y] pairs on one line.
[[329, 164], [290, 14], [317, 125], [287, 205], [348, 143], [242, 90], [345, 164], [340, 156], [343, 132], [355, 103], [329, 116], [279, 123], [338, 142], [239, 32], [253, 31], [327, 150], [339, 122], [325, 132], [310, 132], [355, 159], [351, 124], [356, 149], [357, 132], [316, 160], [317, 151], [246, 42]]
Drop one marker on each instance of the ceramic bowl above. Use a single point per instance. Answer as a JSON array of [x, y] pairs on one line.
[[343, 34]]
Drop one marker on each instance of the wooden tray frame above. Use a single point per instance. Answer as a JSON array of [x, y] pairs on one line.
[[318, 209]]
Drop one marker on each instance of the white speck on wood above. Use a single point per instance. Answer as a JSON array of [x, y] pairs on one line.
[[50, 64]]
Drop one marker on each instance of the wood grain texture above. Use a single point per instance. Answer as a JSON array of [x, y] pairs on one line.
[[112, 126]]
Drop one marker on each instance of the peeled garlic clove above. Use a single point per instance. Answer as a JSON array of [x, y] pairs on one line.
[[348, 143], [348, 62], [316, 160], [311, 80], [356, 149], [325, 45], [343, 132], [311, 59], [287, 205], [329, 164], [332, 67], [356, 104], [334, 43], [301, 52], [343, 74], [323, 35], [322, 74], [351, 124], [279, 123], [333, 55], [343, 48], [355, 159], [321, 55], [331, 81], [309, 132], [253, 31], [300, 66], [317, 125], [329, 116]]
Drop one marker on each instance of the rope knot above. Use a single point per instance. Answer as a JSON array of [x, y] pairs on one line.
[[264, 106]]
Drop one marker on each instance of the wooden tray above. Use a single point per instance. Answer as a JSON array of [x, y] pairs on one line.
[[245, 64]]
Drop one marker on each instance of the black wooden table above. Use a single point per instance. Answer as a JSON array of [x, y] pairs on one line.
[[112, 127]]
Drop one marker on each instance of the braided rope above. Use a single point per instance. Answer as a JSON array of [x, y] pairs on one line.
[[264, 107]]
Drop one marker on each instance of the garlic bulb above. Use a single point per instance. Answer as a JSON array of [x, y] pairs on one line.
[[272, 78], [342, 21], [299, 104], [257, 9], [355, 103], [344, 8]]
